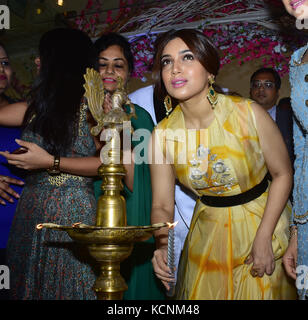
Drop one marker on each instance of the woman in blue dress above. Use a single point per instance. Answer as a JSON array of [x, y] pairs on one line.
[[296, 257], [10, 183]]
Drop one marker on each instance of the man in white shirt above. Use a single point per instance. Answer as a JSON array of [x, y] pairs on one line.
[[184, 199]]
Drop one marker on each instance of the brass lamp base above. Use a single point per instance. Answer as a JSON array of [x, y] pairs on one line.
[[110, 285], [109, 247]]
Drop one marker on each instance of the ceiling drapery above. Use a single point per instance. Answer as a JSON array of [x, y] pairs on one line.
[[242, 30]]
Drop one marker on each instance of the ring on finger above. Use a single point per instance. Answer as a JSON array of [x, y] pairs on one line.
[[254, 273]]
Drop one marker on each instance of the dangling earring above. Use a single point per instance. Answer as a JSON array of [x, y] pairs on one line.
[[168, 105], [212, 95]]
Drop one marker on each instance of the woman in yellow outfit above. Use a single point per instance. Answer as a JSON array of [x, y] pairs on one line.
[[220, 147]]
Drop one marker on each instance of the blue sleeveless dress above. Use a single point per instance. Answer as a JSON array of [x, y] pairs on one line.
[[47, 264], [7, 142]]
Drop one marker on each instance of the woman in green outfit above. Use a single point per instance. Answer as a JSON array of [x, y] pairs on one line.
[[116, 60]]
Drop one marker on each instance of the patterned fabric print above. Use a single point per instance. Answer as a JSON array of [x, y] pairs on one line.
[[220, 239], [47, 264], [299, 96], [217, 174], [221, 175]]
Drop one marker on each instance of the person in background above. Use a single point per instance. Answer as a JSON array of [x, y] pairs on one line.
[[184, 199], [238, 232], [116, 60], [11, 178], [296, 257], [265, 84]]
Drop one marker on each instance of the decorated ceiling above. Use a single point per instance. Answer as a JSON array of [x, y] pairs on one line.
[[242, 30]]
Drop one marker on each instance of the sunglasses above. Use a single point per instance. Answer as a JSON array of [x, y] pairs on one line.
[[257, 84]]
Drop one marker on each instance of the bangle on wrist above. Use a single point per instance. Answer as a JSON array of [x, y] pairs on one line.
[[293, 232], [55, 169]]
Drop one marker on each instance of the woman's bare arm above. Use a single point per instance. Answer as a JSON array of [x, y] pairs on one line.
[[278, 163], [12, 115]]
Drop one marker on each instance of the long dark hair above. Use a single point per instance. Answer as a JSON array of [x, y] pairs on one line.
[[202, 47], [55, 98]]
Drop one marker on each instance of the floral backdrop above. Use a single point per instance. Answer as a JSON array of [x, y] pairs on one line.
[[242, 41], [239, 39]]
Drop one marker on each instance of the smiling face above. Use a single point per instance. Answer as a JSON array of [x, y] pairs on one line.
[[5, 71], [113, 64], [183, 75], [297, 8]]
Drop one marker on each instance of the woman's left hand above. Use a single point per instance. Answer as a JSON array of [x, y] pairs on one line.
[[35, 157], [261, 257]]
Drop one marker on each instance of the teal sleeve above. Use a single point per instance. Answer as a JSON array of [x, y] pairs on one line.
[[139, 202]]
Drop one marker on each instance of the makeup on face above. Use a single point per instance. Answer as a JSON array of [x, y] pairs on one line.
[[5, 70], [182, 73], [112, 64], [175, 65], [297, 8], [296, 3], [179, 82], [4, 65]]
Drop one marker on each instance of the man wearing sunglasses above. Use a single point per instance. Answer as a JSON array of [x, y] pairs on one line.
[[264, 89]]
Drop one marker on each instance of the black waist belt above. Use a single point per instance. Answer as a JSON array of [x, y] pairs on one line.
[[237, 199]]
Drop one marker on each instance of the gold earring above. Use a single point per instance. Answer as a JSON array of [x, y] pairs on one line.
[[168, 105], [212, 95]]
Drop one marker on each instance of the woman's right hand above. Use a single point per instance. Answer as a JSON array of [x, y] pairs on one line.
[[35, 157], [290, 257], [6, 191], [162, 271]]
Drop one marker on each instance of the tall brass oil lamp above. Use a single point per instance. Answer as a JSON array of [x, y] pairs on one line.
[[110, 241]]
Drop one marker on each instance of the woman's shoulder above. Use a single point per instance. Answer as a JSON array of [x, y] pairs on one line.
[[234, 98], [233, 109], [173, 121], [234, 103]]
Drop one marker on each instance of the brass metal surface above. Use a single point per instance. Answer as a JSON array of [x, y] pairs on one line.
[[110, 241]]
